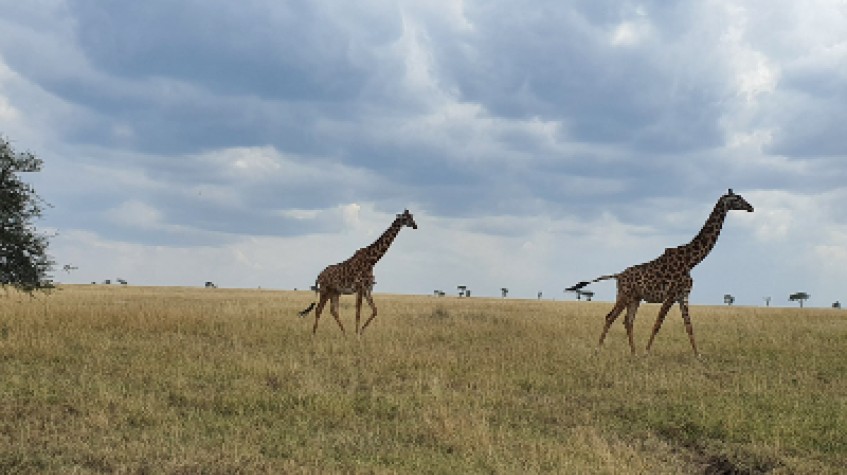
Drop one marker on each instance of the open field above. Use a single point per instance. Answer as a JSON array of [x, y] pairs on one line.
[[176, 380]]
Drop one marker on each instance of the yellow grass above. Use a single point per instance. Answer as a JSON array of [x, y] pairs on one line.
[[98, 379]]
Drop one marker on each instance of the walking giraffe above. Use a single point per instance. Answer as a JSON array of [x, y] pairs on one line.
[[667, 279], [355, 276]]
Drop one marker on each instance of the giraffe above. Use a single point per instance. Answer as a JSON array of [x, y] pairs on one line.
[[355, 276], [667, 279]]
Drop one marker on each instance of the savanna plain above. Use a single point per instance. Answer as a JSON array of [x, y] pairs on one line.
[[123, 379]]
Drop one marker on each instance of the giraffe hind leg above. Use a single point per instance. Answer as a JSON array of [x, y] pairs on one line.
[[333, 309], [358, 308], [318, 311], [629, 322], [610, 319]]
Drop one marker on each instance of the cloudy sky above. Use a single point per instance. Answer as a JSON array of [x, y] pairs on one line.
[[252, 143]]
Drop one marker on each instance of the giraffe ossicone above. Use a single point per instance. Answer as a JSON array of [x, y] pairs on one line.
[[355, 276], [667, 279]]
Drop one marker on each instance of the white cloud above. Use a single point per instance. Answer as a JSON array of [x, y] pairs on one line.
[[630, 32], [243, 260], [267, 164], [780, 215], [754, 72], [831, 251], [123, 132], [7, 111], [98, 259], [451, 12], [300, 213], [535, 146], [254, 164], [135, 214], [350, 213], [421, 77]]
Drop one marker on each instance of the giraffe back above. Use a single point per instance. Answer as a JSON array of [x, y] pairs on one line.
[[655, 281], [349, 276]]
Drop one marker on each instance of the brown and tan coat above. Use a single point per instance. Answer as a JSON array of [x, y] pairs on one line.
[[667, 279], [355, 276]]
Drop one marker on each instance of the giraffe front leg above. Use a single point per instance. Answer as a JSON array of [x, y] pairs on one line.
[[666, 306], [373, 310], [333, 309], [683, 307], [610, 319]]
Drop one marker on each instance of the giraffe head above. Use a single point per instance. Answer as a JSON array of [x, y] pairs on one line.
[[731, 201], [406, 219]]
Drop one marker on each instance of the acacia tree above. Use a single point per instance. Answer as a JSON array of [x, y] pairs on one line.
[[799, 296], [579, 294], [24, 263]]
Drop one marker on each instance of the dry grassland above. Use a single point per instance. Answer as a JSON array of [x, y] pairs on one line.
[[97, 379]]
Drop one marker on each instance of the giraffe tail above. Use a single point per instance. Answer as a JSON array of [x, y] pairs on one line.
[[306, 311], [584, 283], [577, 286]]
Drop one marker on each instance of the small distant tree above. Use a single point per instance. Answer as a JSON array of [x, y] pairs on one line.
[[504, 291], [799, 297], [468, 293], [728, 299], [581, 293], [767, 301], [24, 263], [461, 289], [836, 304], [539, 295]]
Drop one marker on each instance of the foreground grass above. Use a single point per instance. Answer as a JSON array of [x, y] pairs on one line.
[[152, 380]]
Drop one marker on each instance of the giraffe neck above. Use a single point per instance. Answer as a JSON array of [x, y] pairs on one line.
[[705, 240], [375, 251]]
